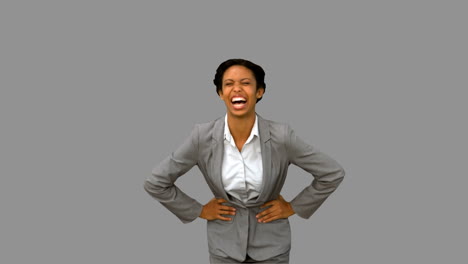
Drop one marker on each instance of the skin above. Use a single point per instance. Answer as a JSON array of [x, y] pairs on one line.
[[240, 81]]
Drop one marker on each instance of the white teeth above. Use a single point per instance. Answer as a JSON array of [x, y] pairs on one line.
[[238, 99]]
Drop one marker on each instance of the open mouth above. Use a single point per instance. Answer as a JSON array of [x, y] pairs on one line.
[[238, 100]]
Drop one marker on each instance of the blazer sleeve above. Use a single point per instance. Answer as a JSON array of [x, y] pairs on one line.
[[161, 184], [327, 174]]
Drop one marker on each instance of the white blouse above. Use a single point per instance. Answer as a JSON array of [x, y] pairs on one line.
[[242, 171]]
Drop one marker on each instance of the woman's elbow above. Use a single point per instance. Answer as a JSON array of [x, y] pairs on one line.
[[157, 190], [341, 173], [153, 188]]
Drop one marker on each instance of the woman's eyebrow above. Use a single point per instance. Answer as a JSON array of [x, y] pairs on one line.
[[231, 80]]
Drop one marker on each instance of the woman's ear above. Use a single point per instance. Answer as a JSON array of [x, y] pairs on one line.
[[260, 92]]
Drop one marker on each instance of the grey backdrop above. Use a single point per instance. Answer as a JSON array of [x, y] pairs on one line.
[[95, 93]]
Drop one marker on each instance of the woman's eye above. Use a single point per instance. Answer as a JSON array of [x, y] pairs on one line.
[[228, 84], [246, 83]]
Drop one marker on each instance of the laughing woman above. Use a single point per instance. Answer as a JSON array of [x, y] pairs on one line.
[[244, 160]]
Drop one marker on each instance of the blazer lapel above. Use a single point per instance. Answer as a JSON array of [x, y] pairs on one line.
[[217, 151], [265, 145]]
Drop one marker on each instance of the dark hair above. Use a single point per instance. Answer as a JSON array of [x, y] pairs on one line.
[[257, 71]]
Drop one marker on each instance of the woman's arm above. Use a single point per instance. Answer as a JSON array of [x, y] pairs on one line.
[[327, 174], [161, 184]]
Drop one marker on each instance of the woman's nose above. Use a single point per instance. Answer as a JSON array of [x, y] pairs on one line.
[[237, 87]]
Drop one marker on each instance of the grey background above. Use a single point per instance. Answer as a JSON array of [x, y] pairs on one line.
[[96, 93]]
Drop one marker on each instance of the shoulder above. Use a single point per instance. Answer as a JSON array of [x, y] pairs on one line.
[[277, 131], [274, 126], [208, 130], [208, 127]]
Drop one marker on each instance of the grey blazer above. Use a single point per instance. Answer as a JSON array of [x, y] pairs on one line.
[[244, 235]]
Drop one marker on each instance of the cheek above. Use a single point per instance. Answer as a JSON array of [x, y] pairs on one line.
[[226, 90]]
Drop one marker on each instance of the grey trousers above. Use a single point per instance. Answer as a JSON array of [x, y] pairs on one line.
[[280, 259]]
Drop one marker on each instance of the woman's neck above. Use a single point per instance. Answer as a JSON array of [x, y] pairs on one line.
[[240, 127]]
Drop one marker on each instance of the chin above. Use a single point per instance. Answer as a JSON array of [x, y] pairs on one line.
[[242, 113]]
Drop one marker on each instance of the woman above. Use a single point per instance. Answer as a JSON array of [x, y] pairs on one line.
[[244, 160]]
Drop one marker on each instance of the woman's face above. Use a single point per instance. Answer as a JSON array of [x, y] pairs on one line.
[[239, 91]]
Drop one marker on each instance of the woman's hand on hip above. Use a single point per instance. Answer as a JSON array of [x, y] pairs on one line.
[[279, 208], [214, 210]]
